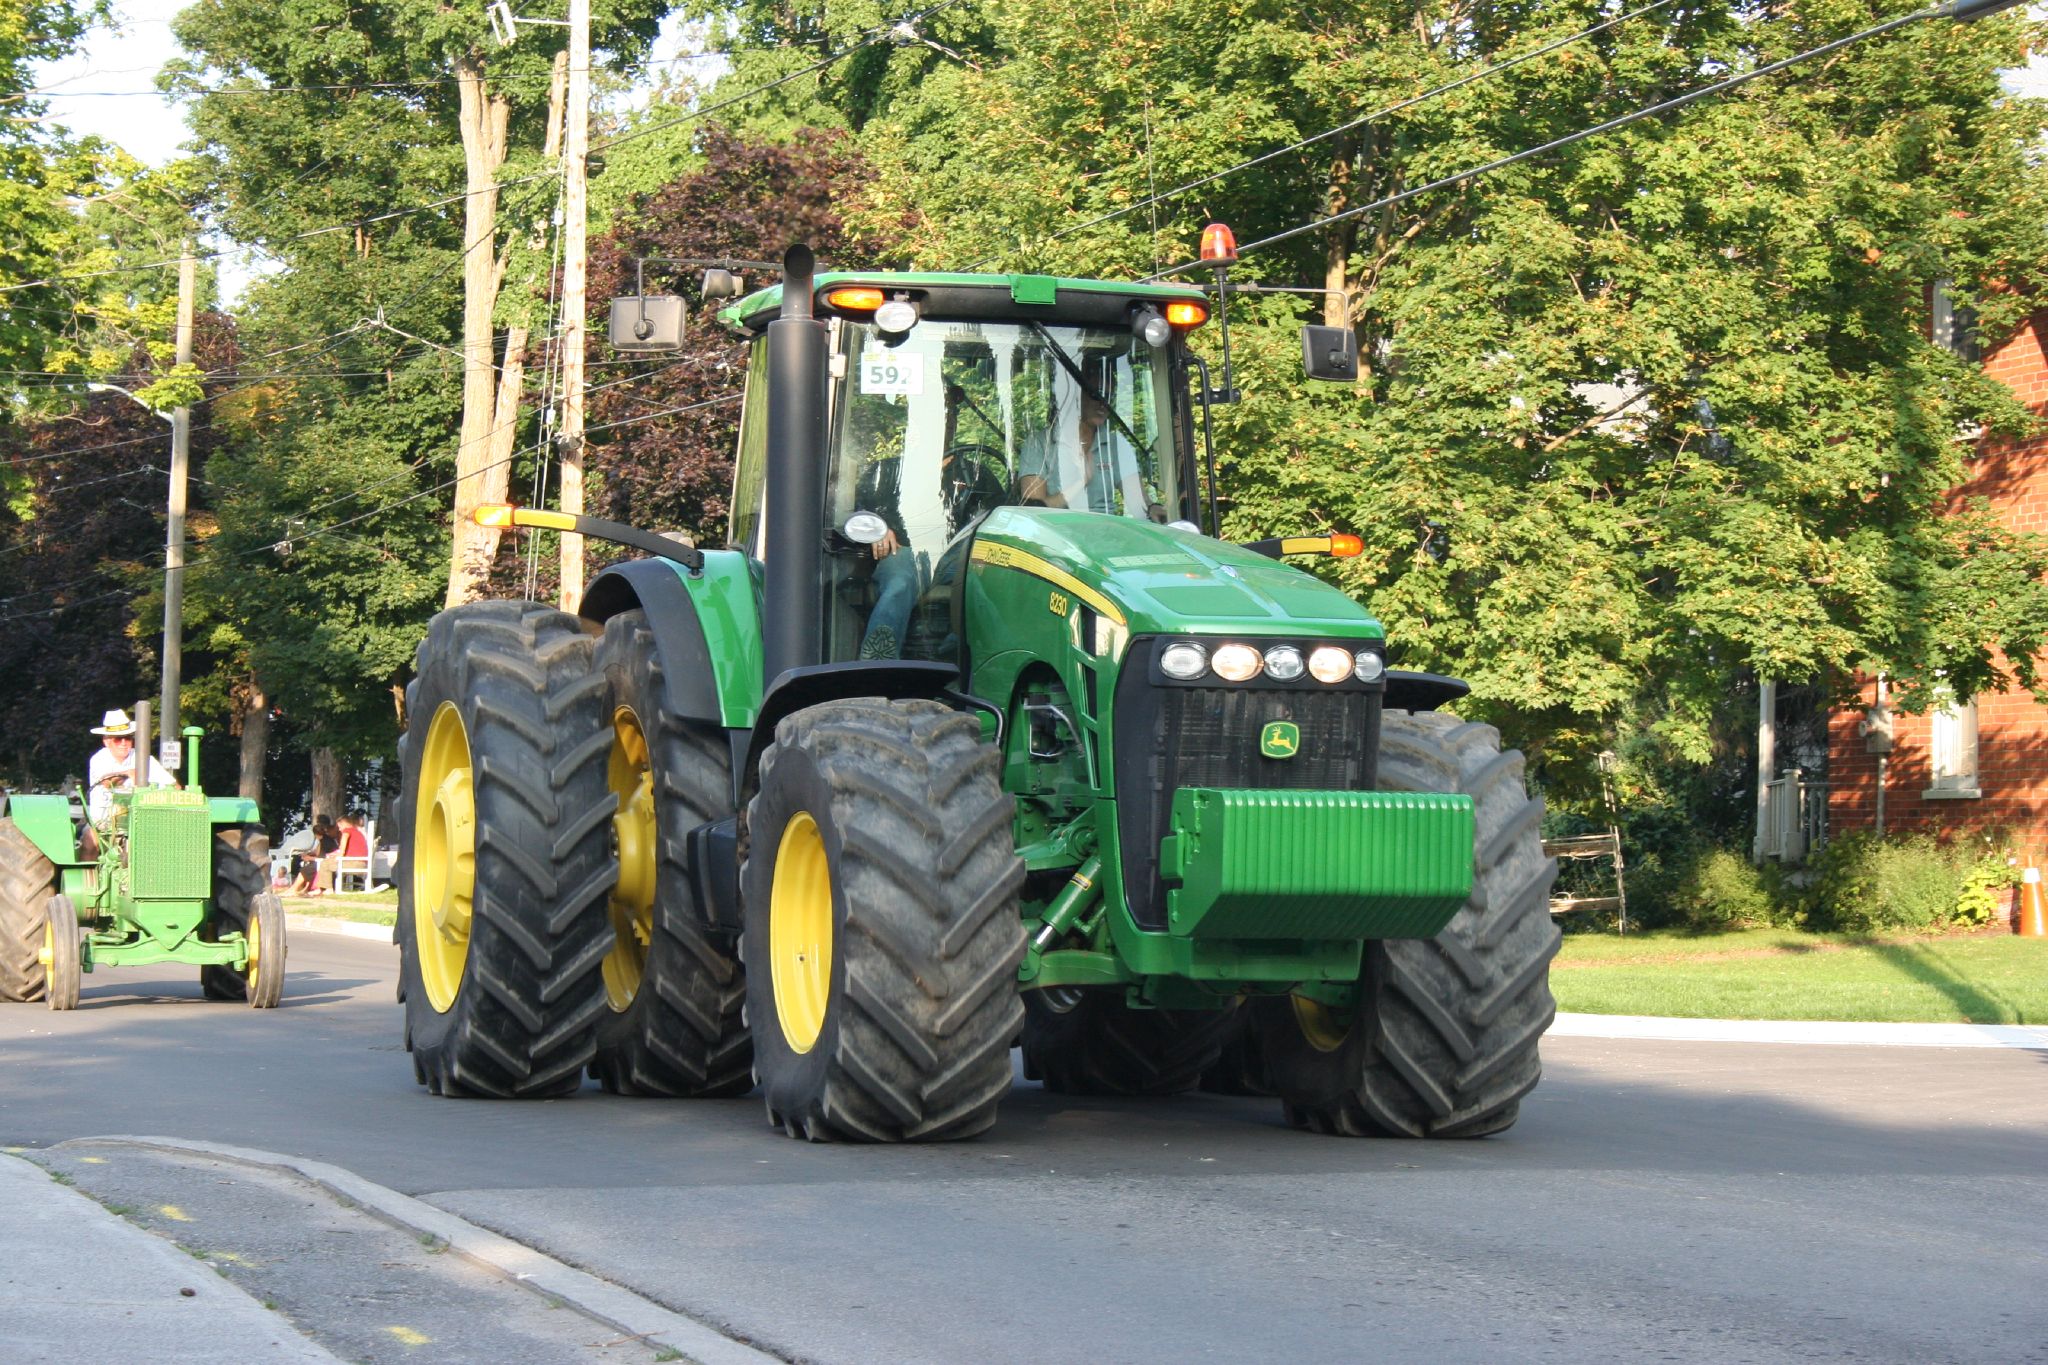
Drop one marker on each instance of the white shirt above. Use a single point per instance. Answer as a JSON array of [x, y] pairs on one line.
[[105, 764]]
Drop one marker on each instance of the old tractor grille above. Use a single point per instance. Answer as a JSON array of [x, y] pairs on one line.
[[170, 846], [1206, 734]]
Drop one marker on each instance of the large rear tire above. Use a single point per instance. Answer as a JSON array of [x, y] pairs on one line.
[[27, 879], [505, 853], [676, 993], [882, 932], [1090, 1042], [1443, 1039], [237, 882]]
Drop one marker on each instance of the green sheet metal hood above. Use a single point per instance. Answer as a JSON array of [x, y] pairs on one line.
[[1167, 581]]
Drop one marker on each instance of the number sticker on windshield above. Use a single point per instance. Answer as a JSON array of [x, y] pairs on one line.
[[894, 373]]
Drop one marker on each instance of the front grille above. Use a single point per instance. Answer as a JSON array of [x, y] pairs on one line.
[[1172, 736], [169, 847]]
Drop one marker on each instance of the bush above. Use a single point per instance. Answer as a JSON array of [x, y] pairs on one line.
[[1724, 890], [1862, 883]]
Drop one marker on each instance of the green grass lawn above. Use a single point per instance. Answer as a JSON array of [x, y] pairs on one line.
[[365, 907], [1780, 974]]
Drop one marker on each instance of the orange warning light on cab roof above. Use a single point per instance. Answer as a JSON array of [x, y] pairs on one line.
[[855, 298], [1219, 244]]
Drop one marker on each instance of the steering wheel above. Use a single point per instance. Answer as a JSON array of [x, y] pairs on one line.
[[974, 479]]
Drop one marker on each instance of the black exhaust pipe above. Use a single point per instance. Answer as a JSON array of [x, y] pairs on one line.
[[793, 511]]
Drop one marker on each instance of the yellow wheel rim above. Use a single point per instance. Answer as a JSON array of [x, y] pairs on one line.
[[800, 932], [1321, 1027], [255, 947], [632, 900], [443, 860], [48, 952]]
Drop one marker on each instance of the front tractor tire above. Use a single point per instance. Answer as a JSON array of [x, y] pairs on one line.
[[27, 879], [1443, 1039], [62, 953], [505, 853], [882, 930], [675, 991]]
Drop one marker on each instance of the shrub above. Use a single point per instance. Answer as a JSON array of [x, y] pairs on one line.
[[1862, 883], [1724, 890]]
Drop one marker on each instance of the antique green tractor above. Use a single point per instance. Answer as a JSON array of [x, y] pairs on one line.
[[165, 875], [970, 737]]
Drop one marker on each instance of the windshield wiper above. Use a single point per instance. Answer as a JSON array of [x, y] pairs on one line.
[[1074, 371]]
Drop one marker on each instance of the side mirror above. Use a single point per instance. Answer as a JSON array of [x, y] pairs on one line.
[[1329, 353], [721, 284], [647, 322]]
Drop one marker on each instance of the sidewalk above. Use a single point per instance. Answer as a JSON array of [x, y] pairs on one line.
[[2030, 1037], [81, 1285]]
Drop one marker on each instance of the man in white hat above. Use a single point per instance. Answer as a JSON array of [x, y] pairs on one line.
[[113, 766]]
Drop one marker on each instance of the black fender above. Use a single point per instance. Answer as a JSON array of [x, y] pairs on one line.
[[652, 586], [1407, 691], [797, 688]]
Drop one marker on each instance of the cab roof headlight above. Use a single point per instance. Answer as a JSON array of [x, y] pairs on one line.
[[1367, 666], [1329, 664], [1150, 327], [1284, 662], [896, 317], [1240, 663], [1184, 661]]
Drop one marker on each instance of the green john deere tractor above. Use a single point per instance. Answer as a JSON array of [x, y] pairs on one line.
[[971, 737], [164, 875]]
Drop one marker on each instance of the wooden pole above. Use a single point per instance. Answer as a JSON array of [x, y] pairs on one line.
[[575, 214], [1766, 757], [174, 520]]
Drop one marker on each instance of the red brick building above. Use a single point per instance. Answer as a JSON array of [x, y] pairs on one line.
[[1982, 762]]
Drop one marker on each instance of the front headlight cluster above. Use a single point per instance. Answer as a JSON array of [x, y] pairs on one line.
[[1185, 661]]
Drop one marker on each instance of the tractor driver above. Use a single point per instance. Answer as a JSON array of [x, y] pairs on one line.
[[113, 765]]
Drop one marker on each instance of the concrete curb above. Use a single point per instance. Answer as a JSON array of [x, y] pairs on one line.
[[345, 928], [1822, 1032], [75, 1272], [617, 1308]]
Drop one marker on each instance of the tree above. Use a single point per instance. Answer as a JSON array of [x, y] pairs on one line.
[[1548, 508]]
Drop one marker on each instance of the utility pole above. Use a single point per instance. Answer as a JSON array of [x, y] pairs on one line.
[[1766, 759], [575, 216], [174, 521]]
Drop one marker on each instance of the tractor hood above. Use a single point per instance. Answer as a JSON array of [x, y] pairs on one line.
[[1164, 581]]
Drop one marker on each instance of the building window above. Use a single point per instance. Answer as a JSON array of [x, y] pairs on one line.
[[1954, 325], [1952, 748]]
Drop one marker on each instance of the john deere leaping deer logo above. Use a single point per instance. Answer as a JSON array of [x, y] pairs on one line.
[[1280, 739]]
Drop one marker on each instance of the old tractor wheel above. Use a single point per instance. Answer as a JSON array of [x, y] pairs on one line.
[[27, 879], [237, 882], [1089, 1042], [673, 983], [62, 968], [505, 853], [264, 977], [1442, 1041], [882, 934]]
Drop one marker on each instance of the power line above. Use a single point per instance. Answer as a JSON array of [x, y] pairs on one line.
[[1956, 9]]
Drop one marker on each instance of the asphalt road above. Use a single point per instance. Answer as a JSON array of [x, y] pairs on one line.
[[1678, 1201]]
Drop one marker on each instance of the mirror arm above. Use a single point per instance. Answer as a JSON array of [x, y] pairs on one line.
[[1208, 448]]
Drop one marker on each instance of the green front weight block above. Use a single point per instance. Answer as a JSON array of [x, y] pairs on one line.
[[1316, 864]]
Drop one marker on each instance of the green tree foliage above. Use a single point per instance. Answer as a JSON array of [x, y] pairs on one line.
[[748, 200], [1528, 455]]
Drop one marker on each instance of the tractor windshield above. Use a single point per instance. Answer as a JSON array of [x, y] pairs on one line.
[[934, 429]]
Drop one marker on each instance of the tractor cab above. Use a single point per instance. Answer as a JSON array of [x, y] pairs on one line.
[[952, 395]]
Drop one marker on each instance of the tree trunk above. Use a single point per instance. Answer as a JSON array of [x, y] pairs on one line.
[[255, 741], [484, 117], [327, 787], [1338, 242]]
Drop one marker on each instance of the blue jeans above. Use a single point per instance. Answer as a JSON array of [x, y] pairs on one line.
[[897, 580]]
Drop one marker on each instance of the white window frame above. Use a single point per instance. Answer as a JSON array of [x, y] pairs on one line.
[[1952, 750]]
